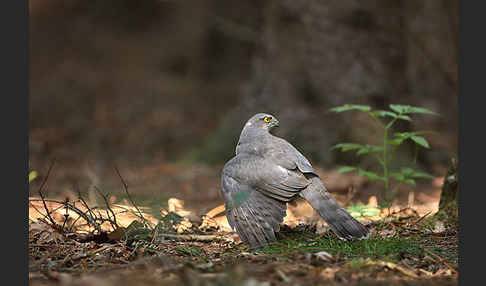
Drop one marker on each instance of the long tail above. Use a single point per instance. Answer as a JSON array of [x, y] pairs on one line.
[[340, 221]]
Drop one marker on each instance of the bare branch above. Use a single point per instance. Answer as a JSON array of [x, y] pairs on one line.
[[76, 210], [125, 186], [114, 224], [42, 195]]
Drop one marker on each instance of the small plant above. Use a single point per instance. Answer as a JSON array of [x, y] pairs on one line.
[[362, 211], [391, 141]]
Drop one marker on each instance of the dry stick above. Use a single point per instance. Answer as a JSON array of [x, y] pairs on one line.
[[420, 219], [394, 266], [80, 197], [101, 249], [88, 209], [125, 186], [439, 259], [37, 210], [42, 195], [85, 212], [76, 210], [156, 233], [188, 237], [115, 225], [66, 215]]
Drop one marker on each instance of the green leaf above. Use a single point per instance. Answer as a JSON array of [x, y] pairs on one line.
[[361, 210], [399, 108], [396, 141], [356, 208], [370, 175], [355, 214], [346, 169], [420, 175], [399, 138], [371, 212], [420, 140], [32, 175], [347, 146], [397, 176], [405, 117], [413, 109], [369, 149], [406, 171], [348, 107], [407, 109], [363, 151], [409, 182], [403, 135], [383, 113]]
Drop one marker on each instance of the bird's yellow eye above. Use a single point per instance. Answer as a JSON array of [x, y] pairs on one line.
[[267, 119]]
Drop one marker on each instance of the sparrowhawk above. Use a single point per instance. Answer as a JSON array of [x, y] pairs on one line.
[[266, 173]]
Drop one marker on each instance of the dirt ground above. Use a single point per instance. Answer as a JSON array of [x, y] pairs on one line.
[[195, 247]]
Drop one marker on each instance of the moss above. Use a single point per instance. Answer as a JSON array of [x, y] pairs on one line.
[[391, 249]]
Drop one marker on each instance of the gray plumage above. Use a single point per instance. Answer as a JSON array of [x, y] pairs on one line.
[[266, 173]]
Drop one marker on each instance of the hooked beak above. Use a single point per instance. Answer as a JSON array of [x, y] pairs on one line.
[[275, 123]]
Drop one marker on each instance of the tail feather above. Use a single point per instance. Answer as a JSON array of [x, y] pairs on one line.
[[339, 220]]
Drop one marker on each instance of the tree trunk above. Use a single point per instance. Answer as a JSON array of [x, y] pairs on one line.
[[448, 197]]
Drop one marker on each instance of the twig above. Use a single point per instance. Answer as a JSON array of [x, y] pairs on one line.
[[101, 249], [76, 220], [66, 215], [156, 233], [114, 224], [42, 195], [420, 219], [80, 197], [37, 210], [75, 209], [439, 259], [189, 237], [394, 266], [125, 186], [212, 275]]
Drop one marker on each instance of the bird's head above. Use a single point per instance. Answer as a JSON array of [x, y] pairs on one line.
[[262, 120]]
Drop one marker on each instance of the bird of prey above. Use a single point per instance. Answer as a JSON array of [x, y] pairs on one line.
[[265, 174]]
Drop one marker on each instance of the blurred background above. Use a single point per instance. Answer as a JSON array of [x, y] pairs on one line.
[[161, 89]]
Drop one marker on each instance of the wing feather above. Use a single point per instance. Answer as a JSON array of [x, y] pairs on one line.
[[253, 215]]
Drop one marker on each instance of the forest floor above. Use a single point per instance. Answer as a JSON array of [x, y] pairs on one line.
[[126, 241]]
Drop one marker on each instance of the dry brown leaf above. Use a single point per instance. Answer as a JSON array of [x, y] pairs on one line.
[[177, 206], [216, 211], [183, 226], [220, 223]]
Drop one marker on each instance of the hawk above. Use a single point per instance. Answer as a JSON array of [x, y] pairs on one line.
[[265, 174]]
